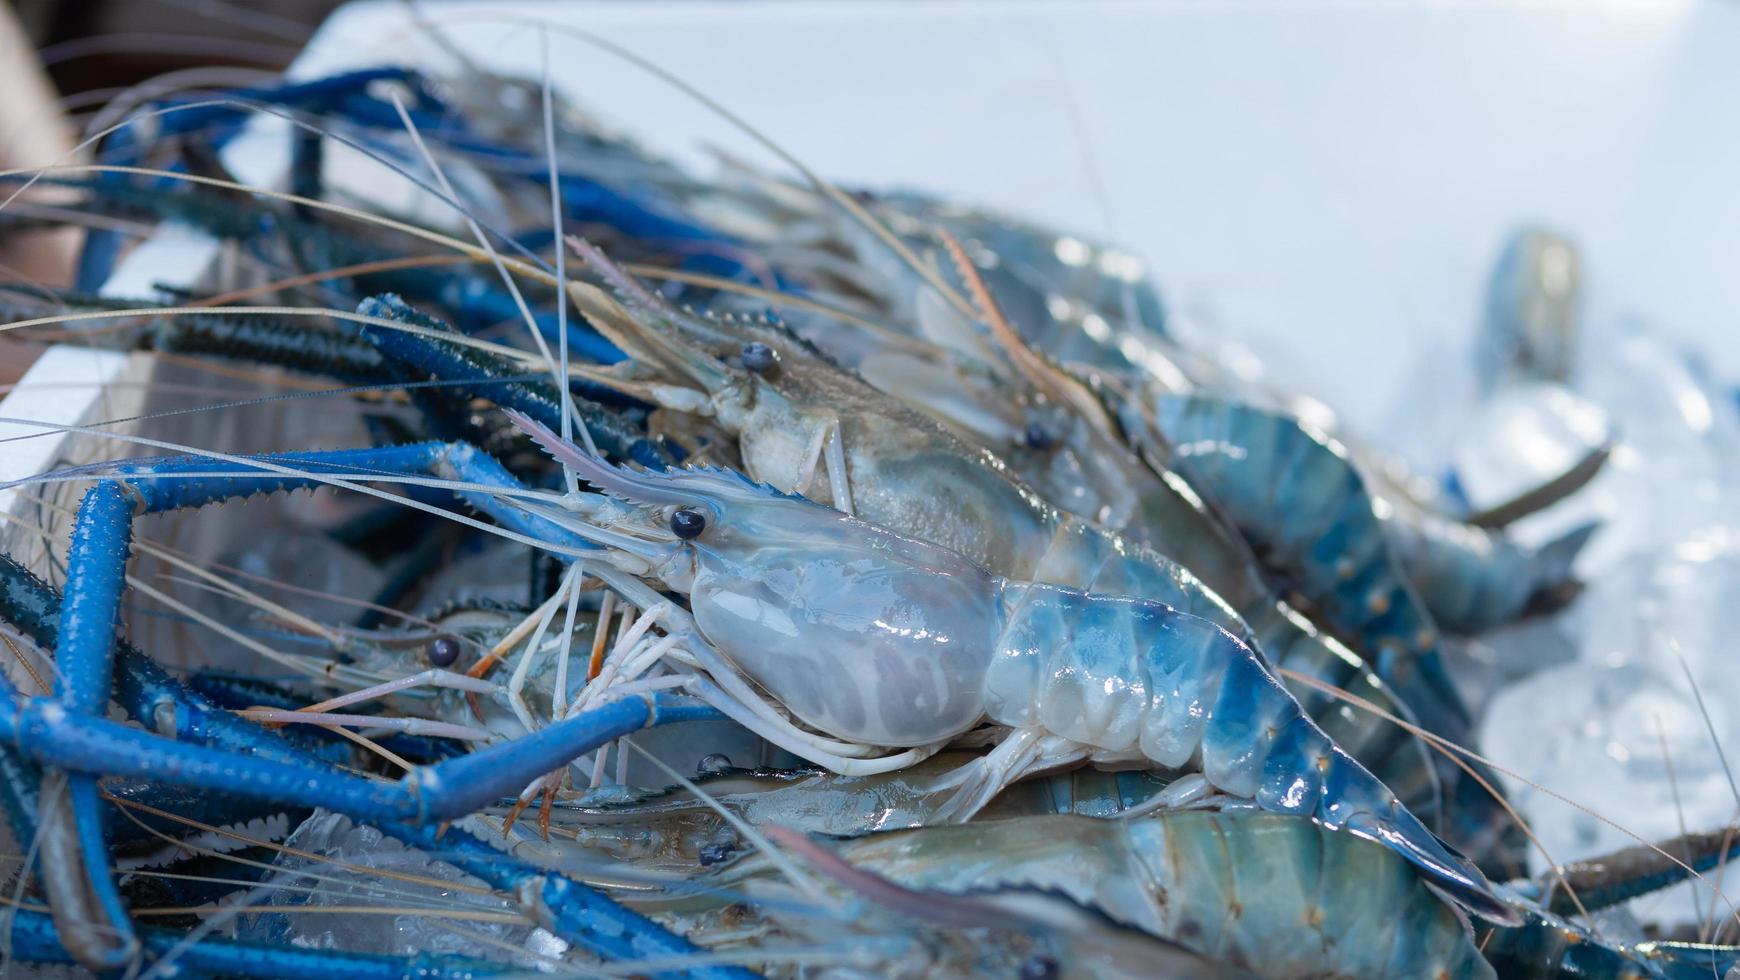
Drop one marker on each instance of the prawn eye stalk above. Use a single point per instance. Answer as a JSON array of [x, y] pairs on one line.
[[759, 358], [1037, 436], [443, 651], [688, 524]]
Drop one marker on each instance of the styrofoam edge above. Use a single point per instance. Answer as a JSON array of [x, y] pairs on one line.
[[65, 387]]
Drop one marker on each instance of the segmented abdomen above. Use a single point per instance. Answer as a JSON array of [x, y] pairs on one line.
[[1389, 751], [1081, 557], [1301, 503], [1135, 679], [1278, 895], [1291, 899]]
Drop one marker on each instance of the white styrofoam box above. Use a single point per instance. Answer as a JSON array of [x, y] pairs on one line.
[[1330, 180], [67, 386]]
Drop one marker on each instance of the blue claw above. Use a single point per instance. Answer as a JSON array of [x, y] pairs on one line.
[[459, 365], [47, 732]]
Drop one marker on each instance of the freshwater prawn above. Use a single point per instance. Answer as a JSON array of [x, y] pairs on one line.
[[804, 424], [919, 646], [1278, 895]]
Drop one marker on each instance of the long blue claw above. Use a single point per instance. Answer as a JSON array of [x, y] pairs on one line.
[[460, 365], [89, 623], [47, 732]]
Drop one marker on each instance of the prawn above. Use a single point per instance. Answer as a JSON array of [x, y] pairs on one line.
[[924, 646]]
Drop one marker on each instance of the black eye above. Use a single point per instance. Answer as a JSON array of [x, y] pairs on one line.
[[1039, 967], [715, 854], [687, 524], [758, 357], [1037, 437], [443, 651]]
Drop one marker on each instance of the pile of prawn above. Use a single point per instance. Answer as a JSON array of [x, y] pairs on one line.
[[1033, 640]]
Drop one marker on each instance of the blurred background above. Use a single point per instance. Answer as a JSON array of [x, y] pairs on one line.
[[91, 45], [61, 61]]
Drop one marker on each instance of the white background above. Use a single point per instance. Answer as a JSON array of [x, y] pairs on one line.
[[1330, 181]]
